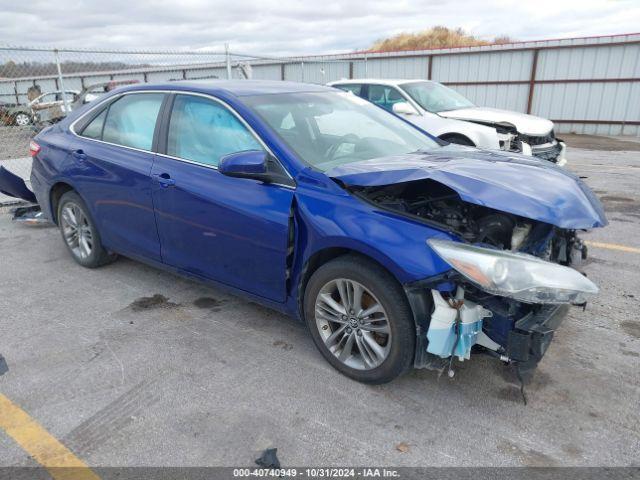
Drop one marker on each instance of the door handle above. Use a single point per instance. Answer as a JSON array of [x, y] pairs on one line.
[[165, 180], [79, 155]]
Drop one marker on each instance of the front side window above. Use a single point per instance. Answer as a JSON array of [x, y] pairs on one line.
[[384, 96], [333, 128], [204, 131], [131, 120], [49, 97], [435, 97]]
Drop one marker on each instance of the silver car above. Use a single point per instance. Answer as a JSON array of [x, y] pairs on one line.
[[50, 107]]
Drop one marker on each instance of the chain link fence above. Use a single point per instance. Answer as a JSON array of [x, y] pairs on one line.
[[549, 78], [40, 86]]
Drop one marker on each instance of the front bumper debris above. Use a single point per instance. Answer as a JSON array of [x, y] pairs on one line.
[[553, 152], [532, 334], [14, 186], [30, 215]]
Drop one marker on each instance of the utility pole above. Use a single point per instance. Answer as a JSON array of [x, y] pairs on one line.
[[64, 92], [226, 52]]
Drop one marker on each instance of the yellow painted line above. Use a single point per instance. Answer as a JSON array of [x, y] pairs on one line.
[[613, 246], [43, 447]]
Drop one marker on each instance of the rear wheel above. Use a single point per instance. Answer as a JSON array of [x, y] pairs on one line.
[[79, 232], [360, 320], [21, 119]]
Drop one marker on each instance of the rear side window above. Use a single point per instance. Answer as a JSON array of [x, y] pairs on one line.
[[130, 121], [204, 131], [356, 89], [94, 128]]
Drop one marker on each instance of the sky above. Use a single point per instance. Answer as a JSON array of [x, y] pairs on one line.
[[289, 27]]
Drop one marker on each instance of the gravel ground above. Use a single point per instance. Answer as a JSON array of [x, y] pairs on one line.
[[14, 141], [128, 365]]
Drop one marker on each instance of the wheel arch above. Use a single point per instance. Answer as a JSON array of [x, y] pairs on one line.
[[55, 194], [448, 137], [329, 253]]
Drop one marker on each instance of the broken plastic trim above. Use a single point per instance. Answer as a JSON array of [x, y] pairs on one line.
[[14, 186], [31, 215]]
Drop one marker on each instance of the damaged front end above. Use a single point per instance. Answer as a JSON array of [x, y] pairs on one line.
[[514, 259], [510, 280], [545, 147]]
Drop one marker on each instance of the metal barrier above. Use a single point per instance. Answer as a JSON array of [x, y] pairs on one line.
[[40, 86]]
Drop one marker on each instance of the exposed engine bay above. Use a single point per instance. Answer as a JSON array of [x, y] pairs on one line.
[[442, 207], [462, 315]]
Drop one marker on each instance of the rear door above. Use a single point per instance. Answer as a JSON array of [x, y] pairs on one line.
[[232, 230], [110, 164]]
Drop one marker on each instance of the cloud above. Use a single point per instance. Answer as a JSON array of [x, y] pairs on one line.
[[281, 27]]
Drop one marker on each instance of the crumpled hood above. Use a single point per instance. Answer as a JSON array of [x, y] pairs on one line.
[[527, 124], [516, 184]]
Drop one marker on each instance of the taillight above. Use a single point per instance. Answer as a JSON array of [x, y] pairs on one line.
[[34, 148]]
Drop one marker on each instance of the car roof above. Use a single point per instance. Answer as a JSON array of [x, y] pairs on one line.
[[239, 88], [378, 81]]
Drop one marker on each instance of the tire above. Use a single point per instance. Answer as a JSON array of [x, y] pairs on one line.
[[367, 362], [79, 232], [21, 119], [458, 140]]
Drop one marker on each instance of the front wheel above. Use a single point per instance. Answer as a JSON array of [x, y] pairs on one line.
[[360, 320]]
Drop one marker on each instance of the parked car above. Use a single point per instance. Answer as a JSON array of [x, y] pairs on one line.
[[15, 114], [397, 250], [96, 90], [50, 110], [446, 114], [50, 107]]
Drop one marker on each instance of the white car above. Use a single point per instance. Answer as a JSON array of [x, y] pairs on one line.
[[446, 114]]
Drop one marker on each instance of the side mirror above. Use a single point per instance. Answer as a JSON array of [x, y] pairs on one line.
[[246, 164], [404, 108]]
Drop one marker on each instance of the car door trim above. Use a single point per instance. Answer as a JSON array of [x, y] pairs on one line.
[[163, 116]]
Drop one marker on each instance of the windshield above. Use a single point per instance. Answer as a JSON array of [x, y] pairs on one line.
[[435, 97], [333, 128]]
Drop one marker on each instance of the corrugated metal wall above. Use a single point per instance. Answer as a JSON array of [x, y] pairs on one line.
[[586, 85]]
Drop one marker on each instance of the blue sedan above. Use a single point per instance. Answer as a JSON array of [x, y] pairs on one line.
[[397, 249]]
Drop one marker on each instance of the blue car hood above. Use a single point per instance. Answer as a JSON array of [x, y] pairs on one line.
[[524, 186]]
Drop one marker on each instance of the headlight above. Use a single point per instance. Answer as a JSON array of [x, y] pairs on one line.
[[516, 275]]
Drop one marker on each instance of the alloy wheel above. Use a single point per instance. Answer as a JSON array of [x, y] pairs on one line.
[[22, 120], [353, 324], [76, 230]]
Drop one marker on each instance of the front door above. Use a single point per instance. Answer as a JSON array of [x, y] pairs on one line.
[[232, 230]]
